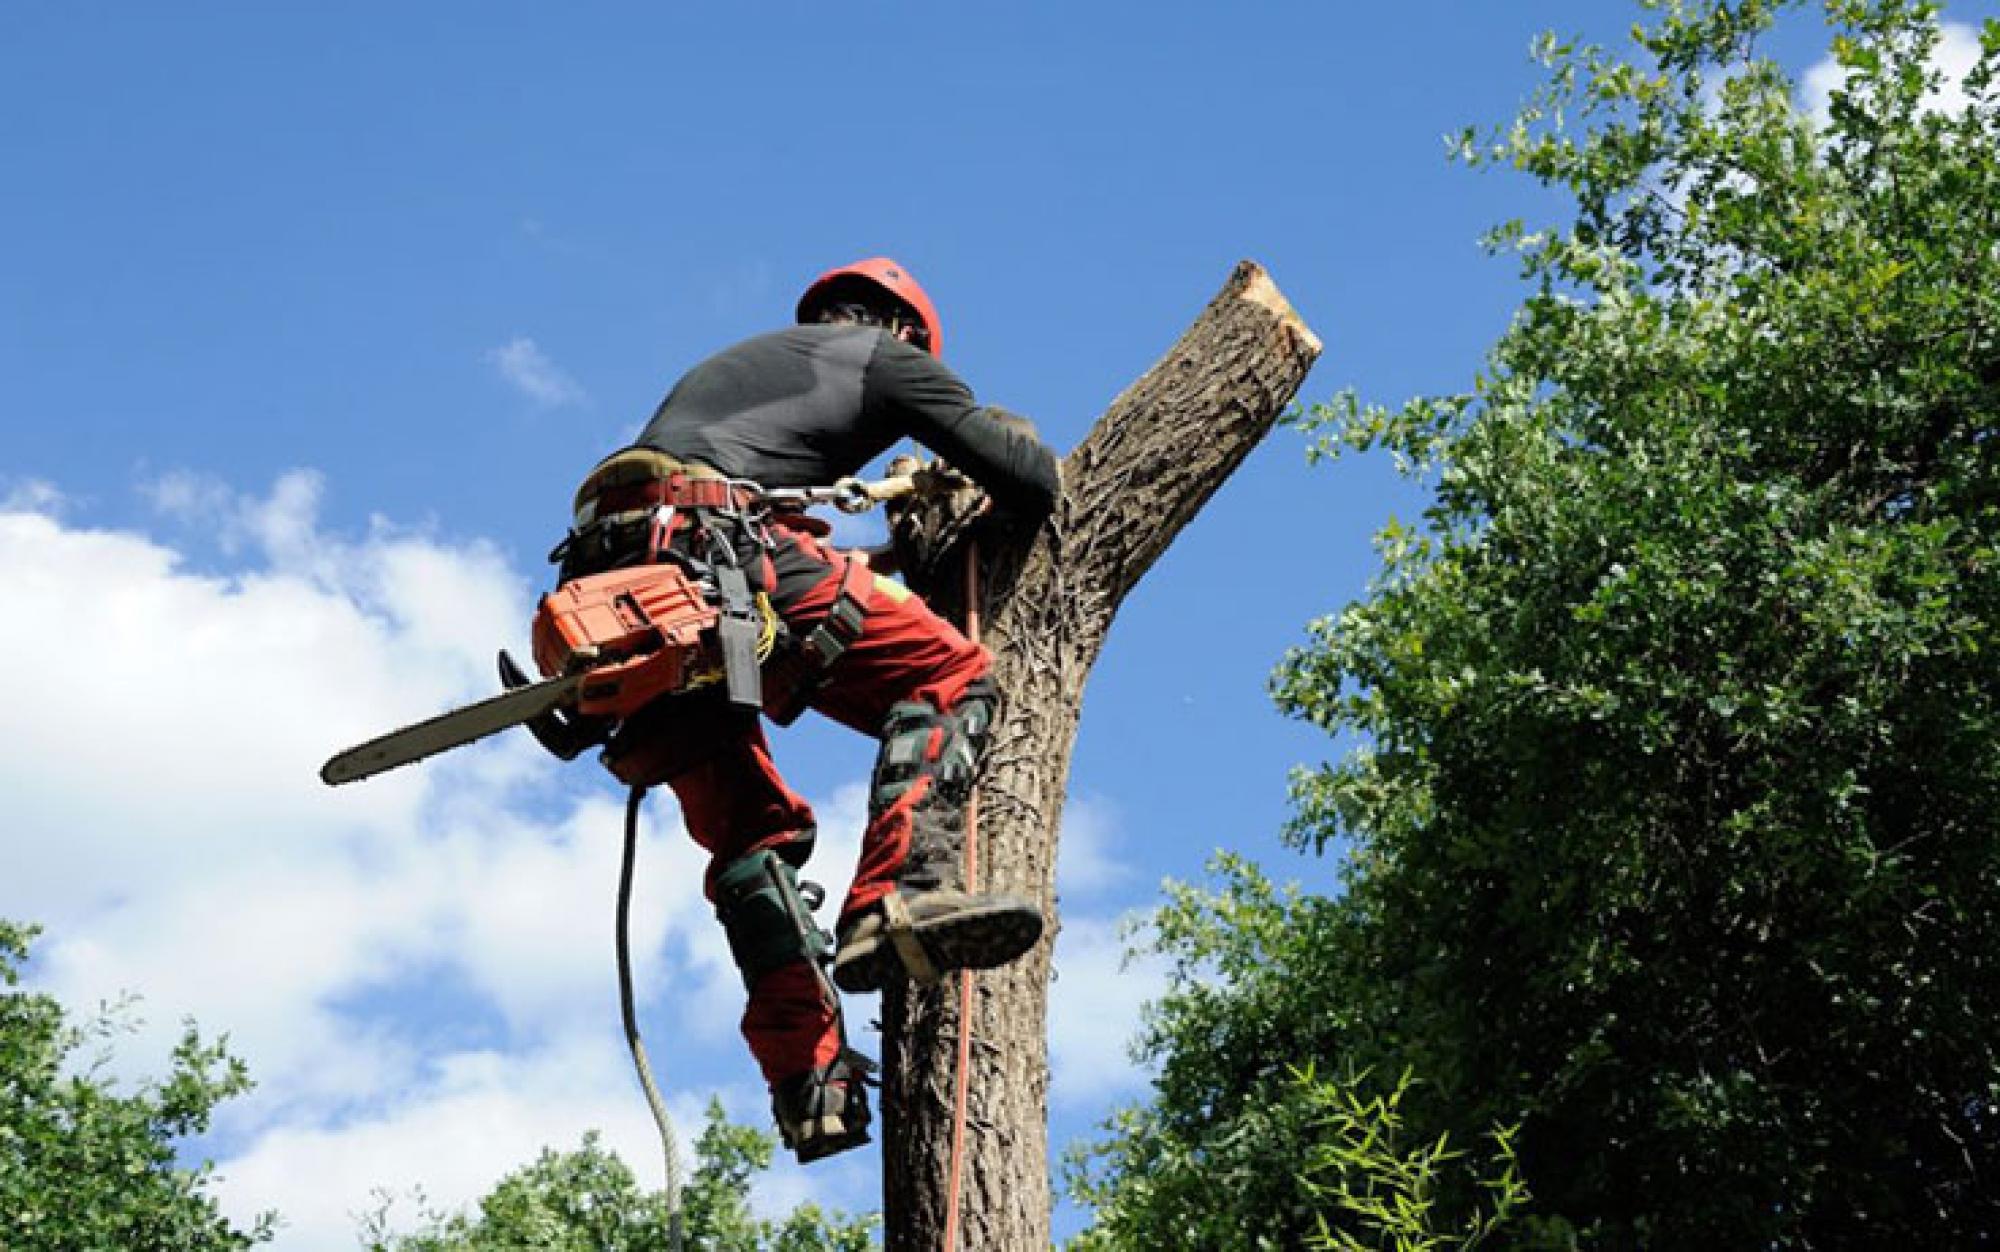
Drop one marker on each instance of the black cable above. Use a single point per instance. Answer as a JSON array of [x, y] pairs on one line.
[[632, 1040]]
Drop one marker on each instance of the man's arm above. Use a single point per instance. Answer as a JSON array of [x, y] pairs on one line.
[[924, 400]]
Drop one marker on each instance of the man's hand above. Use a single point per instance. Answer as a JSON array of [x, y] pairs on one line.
[[935, 478]]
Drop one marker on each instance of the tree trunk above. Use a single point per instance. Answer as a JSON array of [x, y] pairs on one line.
[[1145, 469]]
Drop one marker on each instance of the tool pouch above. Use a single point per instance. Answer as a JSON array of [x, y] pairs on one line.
[[606, 544]]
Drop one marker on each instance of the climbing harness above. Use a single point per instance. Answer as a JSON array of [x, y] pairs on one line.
[[636, 504], [630, 512]]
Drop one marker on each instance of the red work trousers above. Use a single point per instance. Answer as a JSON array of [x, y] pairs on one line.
[[734, 801]]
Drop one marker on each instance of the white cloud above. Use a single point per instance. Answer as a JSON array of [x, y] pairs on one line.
[[527, 923], [478, 1115], [1099, 991], [166, 822], [1094, 1011], [1086, 862], [31, 495], [474, 1117], [524, 365], [416, 968], [172, 730], [196, 499], [1957, 52]]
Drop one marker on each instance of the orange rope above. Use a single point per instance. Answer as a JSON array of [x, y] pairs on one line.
[[964, 1078]]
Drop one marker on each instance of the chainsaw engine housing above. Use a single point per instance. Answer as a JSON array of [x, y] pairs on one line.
[[639, 633]]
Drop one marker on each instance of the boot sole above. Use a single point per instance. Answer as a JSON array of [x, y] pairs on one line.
[[974, 938]]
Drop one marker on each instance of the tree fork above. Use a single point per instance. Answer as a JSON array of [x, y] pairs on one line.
[[1155, 457]]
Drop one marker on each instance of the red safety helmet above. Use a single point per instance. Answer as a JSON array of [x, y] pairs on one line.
[[888, 275]]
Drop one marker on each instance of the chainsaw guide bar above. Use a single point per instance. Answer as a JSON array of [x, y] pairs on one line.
[[615, 642], [450, 730]]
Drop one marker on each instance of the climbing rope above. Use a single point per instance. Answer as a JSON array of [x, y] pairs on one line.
[[963, 1080], [632, 1040]]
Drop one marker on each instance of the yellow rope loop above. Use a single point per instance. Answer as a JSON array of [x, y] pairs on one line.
[[767, 640]]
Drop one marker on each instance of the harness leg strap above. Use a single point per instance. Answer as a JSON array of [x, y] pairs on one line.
[[845, 617], [815, 653]]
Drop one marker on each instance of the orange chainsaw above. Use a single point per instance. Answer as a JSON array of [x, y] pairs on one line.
[[612, 643], [607, 645]]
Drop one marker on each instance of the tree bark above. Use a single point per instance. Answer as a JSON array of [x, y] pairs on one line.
[[1155, 457]]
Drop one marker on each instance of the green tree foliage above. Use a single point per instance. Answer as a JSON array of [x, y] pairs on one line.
[[1363, 1162], [83, 1167], [1672, 828], [588, 1201], [1246, 1147]]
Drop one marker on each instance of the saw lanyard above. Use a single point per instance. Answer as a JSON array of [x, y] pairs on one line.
[[640, 1062], [963, 1079]]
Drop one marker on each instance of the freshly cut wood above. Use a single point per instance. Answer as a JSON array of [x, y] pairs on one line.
[[1154, 458]]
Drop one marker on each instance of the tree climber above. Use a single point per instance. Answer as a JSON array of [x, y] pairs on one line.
[[801, 407]]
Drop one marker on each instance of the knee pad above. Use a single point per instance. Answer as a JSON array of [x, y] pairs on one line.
[[766, 912], [920, 742]]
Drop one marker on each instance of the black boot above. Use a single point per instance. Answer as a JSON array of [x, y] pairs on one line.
[[824, 1111], [928, 933]]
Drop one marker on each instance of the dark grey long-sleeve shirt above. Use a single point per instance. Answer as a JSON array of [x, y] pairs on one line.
[[811, 404]]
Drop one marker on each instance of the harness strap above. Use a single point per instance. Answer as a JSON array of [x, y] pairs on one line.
[[639, 478], [844, 620], [636, 504], [678, 490], [902, 933], [804, 666]]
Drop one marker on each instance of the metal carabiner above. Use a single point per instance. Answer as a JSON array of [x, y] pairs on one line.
[[850, 495]]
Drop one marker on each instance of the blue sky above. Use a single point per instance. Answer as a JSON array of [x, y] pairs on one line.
[[312, 316]]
